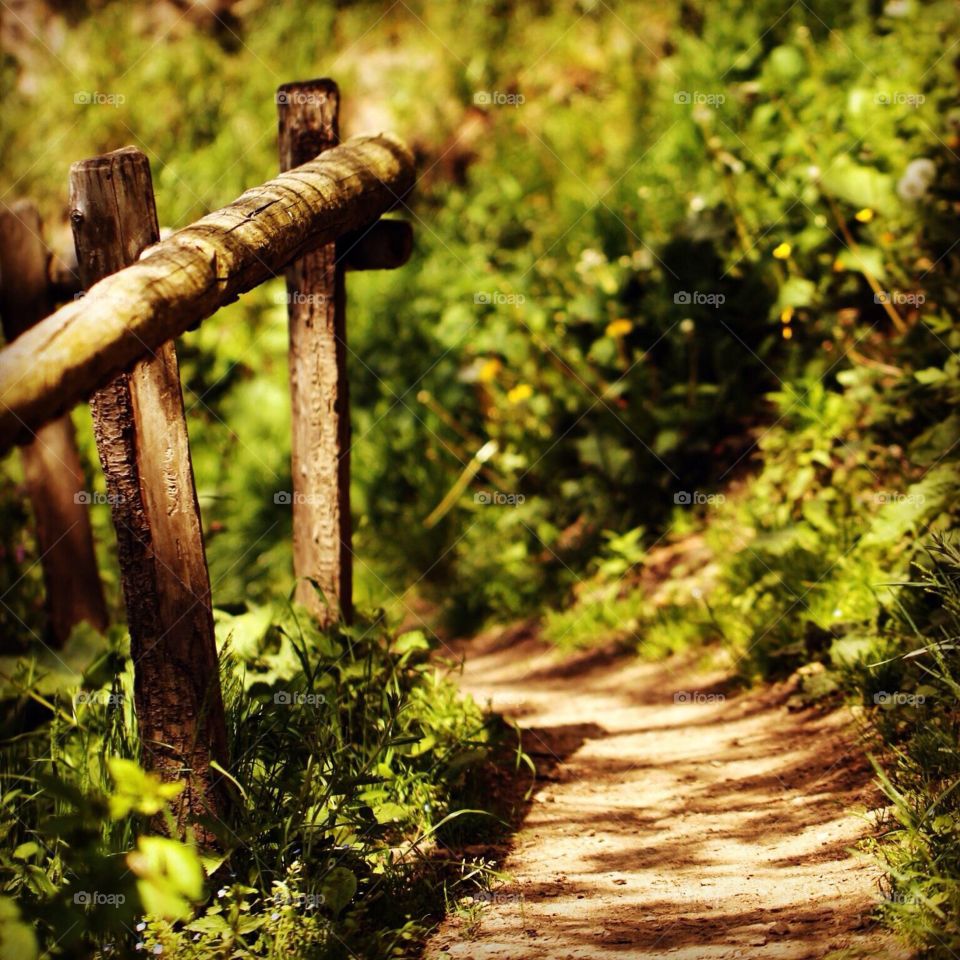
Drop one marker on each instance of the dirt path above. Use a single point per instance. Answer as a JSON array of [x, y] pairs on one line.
[[677, 819]]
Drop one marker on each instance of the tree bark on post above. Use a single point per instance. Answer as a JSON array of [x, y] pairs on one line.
[[51, 463], [322, 556], [144, 449]]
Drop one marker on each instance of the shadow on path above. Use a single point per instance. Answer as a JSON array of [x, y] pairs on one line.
[[673, 816]]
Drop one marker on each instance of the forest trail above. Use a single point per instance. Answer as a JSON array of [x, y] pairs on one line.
[[711, 825]]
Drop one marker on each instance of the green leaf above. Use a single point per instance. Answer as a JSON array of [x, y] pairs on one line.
[[169, 877], [817, 514], [211, 924], [863, 259], [796, 292], [928, 448], [26, 850], [902, 513], [389, 812], [17, 938], [138, 790], [930, 376], [858, 185], [800, 482], [248, 923], [39, 880], [338, 889], [410, 641], [786, 62]]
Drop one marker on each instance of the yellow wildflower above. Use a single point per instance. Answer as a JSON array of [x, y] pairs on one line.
[[865, 215], [786, 315], [489, 370], [519, 393], [619, 328], [787, 332], [782, 251]]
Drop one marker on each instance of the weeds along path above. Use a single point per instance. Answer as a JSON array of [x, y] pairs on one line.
[[674, 818]]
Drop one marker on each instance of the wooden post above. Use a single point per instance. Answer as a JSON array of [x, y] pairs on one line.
[[142, 439], [318, 378], [51, 463]]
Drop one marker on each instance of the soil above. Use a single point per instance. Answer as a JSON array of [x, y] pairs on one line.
[[673, 817]]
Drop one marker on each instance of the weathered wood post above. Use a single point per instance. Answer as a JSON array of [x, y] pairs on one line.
[[51, 463], [322, 556], [142, 439]]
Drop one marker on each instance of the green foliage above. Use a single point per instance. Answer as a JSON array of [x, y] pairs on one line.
[[917, 716], [348, 751]]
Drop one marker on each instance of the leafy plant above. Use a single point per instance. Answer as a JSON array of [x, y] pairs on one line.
[[348, 749]]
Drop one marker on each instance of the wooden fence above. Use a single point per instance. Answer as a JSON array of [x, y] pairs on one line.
[[114, 346]]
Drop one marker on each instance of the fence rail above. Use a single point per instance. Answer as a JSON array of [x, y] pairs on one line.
[[188, 277]]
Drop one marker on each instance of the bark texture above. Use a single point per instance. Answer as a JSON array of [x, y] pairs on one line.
[[142, 439], [320, 452]]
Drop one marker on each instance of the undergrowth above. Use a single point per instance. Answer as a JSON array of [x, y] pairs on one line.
[[351, 759]]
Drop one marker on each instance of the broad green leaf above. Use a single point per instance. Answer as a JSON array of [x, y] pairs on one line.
[[169, 876], [786, 62], [931, 375], [410, 641], [858, 185], [26, 850], [338, 889], [863, 259], [389, 812]]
